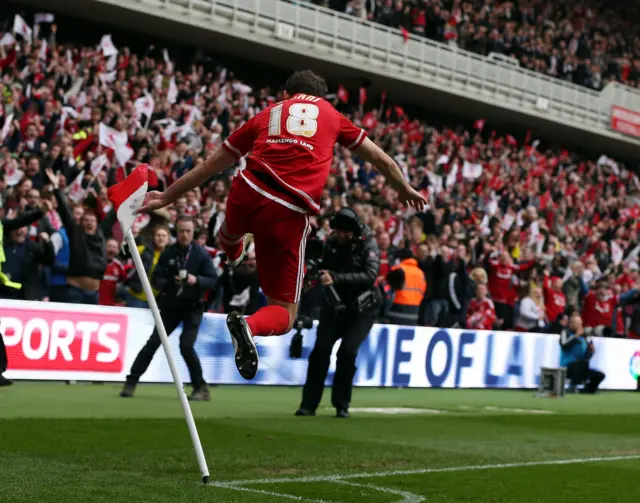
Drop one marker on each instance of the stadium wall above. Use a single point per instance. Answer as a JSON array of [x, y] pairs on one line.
[[49, 341]]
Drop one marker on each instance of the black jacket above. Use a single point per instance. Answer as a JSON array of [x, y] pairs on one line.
[[199, 264], [354, 267], [22, 220], [147, 261], [88, 255], [35, 254]]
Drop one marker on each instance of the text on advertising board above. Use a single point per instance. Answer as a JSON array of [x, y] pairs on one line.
[[64, 340]]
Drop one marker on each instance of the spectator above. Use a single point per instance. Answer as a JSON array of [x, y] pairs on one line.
[[58, 280], [150, 256], [598, 310], [531, 312], [481, 314], [501, 286], [409, 285], [576, 351], [114, 275], [22, 258], [555, 301], [87, 261]]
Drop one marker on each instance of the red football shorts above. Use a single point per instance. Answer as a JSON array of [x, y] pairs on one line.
[[280, 237]]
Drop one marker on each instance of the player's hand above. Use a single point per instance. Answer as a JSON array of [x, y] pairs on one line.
[[325, 278], [409, 197], [191, 279], [153, 200]]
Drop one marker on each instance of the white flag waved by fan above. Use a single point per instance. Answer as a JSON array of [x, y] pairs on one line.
[[43, 51], [98, 164], [5, 129], [128, 196], [112, 62], [107, 78], [22, 28], [106, 44], [7, 39], [44, 17], [76, 192], [144, 106], [172, 94], [117, 141]]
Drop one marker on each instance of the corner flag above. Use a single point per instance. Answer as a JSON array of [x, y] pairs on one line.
[[127, 197]]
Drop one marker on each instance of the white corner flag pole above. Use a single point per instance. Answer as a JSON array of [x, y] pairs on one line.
[[197, 445]]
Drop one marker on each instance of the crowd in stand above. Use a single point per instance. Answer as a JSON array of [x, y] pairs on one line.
[[514, 237], [588, 43]]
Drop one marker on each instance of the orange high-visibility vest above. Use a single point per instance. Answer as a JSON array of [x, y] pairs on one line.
[[406, 303]]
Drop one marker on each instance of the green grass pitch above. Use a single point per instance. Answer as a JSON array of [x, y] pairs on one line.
[[83, 443]]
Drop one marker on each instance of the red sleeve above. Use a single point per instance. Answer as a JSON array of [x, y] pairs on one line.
[[241, 141], [349, 135]]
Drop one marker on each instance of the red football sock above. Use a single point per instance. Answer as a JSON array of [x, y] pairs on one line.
[[269, 320], [232, 248]]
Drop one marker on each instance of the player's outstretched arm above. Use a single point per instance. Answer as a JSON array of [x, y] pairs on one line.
[[220, 160], [370, 152]]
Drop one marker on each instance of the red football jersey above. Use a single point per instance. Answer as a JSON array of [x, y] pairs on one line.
[[113, 274], [292, 142]]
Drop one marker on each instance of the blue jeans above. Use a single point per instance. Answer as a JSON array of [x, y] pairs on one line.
[[135, 302], [435, 312], [77, 295]]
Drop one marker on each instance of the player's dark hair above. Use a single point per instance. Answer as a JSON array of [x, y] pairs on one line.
[[307, 82]]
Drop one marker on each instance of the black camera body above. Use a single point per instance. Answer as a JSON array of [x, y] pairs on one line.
[[313, 261]]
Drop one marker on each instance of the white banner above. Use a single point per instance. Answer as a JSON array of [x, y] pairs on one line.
[[97, 343]]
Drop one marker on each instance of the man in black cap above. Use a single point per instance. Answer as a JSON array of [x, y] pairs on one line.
[[349, 269]]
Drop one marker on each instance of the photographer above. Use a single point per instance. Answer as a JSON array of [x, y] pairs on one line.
[[183, 274], [576, 351], [349, 269]]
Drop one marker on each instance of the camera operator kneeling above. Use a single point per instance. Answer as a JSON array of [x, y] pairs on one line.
[[348, 272], [576, 351]]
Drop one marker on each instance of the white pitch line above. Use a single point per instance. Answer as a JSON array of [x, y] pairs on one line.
[[271, 493], [407, 497], [392, 473]]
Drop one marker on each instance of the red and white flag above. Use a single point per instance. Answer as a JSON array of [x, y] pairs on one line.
[[22, 28], [7, 39], [479, 124], [117, 141], [106, 44], [144, 106], [343, 94], [98, 164], [363, 96], [12, 175], [76, 191], [128, 196]]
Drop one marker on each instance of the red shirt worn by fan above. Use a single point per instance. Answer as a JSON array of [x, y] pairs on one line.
[[291, 148], [113, 274], [292, 142]]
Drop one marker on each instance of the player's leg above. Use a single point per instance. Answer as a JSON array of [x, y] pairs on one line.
[[233, 245], [280, 236], [236, 222]]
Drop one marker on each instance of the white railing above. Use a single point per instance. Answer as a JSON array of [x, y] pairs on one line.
[[382, 50]]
